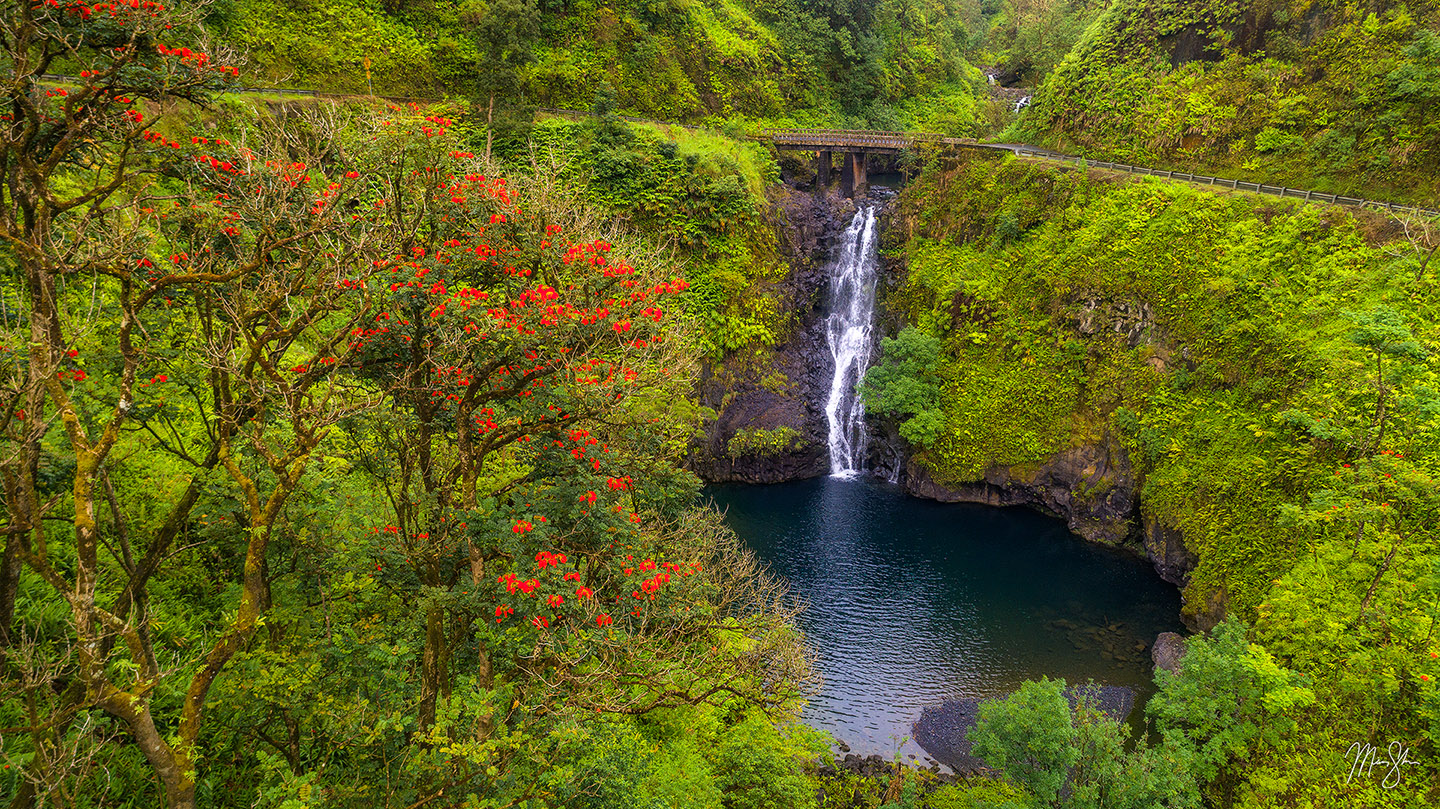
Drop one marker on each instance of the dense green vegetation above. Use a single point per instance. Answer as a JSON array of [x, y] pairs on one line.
[[893, 64], [340, 470], [1316, 94], [342, 447], [1269, 368], [1028, 38]]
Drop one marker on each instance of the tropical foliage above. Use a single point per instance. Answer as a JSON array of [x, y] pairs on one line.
[[1327, 95], [1268, 368]]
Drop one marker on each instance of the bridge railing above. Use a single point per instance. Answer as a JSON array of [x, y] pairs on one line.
[[841, 138]]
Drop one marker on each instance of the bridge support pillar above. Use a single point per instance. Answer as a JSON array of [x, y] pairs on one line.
[[855, 180], [822, 171]]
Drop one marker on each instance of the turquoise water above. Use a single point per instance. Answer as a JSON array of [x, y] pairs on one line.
[[911, 602]]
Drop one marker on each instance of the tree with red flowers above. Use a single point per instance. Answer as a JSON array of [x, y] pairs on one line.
[[510, 355]]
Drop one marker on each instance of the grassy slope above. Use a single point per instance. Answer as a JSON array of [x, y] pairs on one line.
[[698, 196], [1309, 93]]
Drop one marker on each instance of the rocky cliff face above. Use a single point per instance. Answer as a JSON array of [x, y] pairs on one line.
[[1093, 488], [781, 388], [1096, 490]]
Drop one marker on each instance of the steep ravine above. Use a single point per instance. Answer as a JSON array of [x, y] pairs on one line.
[[778, 390], [1093, 487]]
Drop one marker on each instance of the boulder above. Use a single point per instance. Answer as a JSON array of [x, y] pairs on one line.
[[1168, 649]]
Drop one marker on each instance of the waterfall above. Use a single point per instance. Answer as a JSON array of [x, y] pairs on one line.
[[852, 307]]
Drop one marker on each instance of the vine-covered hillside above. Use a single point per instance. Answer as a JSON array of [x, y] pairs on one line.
[[1311, 93], [893, 63], [1267, 367]]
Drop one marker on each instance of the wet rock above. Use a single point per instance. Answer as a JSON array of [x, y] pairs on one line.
[[1167, 550], [783, 387], [1133, 321], [943, 730], [1168, 649], [1093, 488]]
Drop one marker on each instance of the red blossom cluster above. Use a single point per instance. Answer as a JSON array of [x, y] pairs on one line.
[[85, 10]]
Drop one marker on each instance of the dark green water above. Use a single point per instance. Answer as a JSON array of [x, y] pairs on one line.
[[912, 602]]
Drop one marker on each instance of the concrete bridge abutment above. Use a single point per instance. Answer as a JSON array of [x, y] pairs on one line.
[[853, 177]]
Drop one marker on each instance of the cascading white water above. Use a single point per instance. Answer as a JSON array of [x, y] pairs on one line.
[[852, 308]]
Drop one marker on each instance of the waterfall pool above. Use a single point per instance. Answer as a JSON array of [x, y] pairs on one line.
[[912, 602]]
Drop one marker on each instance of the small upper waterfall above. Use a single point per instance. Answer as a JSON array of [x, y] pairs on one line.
[[848, 329]]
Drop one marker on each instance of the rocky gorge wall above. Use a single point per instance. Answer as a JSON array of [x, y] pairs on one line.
[[770, 424], [773, 396]]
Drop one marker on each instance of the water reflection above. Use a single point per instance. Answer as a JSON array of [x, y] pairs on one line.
[[912, 602]]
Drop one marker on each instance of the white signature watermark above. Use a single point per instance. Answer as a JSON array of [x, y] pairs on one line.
[[1366, 757]]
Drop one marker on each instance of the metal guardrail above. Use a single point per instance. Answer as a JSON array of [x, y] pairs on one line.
[[1221, 182], [850, 138]]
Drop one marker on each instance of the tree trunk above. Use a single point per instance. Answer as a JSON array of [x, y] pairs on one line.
[[176, 772], [489, 127], [433, 675], [1375, 582]]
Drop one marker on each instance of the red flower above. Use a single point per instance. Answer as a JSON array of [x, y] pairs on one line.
[[603, 620]]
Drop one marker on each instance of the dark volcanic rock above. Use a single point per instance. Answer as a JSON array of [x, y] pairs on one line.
[[1093, 488], [784, 386], [1167, 651], [1166, 548], [942, 729]]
